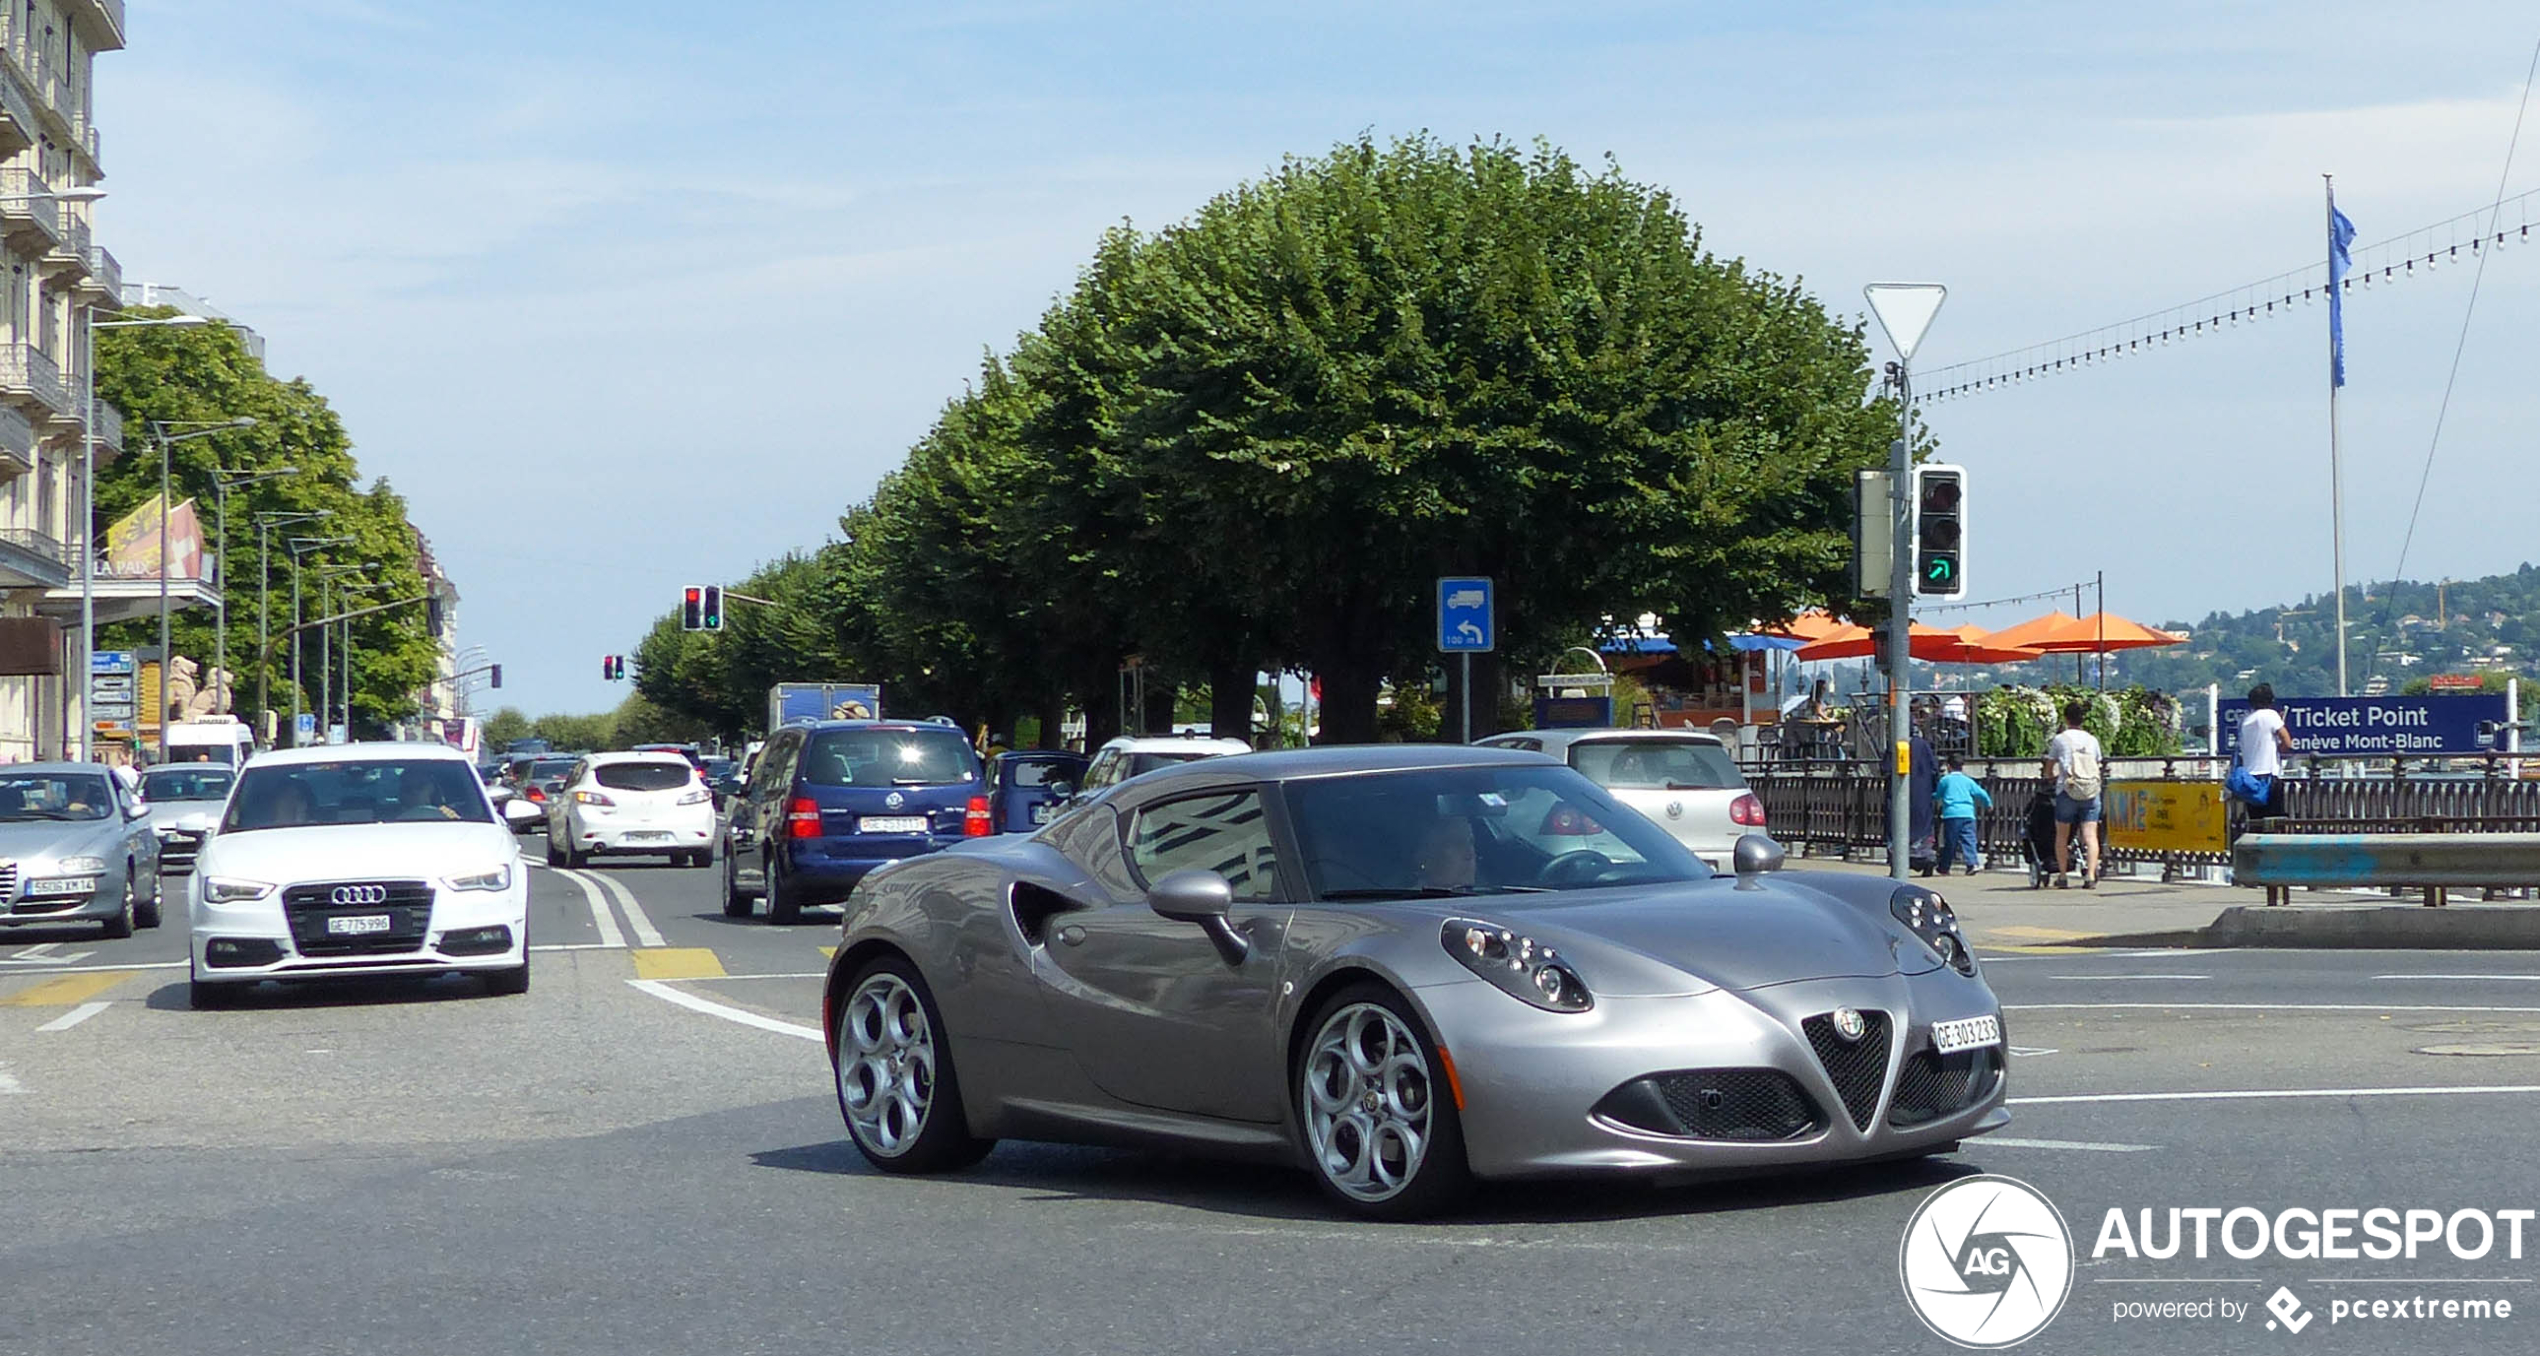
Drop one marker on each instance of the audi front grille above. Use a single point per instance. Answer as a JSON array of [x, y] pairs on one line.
[[407, 904]]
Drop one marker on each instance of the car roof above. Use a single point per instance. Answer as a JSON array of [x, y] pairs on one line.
[[823, 726], [1177, 744], [1562, 739], [372, 752], [13, 769], [1283, 765], [664, 756]]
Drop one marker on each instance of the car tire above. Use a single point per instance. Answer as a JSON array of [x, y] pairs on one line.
[[509, 983], [1405, 1161], [555, 855], [576, 859], [147, 913], [120, 925], [893, 1069], [782, 908], [735, 904]]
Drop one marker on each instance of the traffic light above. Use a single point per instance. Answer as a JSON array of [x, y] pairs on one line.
[[692, 609], [714, 607], [612, 667], [1940, 531], [495, 671]]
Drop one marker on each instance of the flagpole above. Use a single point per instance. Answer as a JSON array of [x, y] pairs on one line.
[[2336, 476]]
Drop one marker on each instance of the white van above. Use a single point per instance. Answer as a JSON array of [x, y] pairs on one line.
[[225, 740]]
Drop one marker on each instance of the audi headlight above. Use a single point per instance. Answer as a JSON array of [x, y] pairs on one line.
[[500, 878], [1522, 967], [80, 866], [1929, 917], [233, 890]]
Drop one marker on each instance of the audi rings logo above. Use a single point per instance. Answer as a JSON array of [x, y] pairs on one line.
[[1986, 1262], [359, 894]]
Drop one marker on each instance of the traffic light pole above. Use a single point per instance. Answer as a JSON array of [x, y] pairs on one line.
[[1900, 621]]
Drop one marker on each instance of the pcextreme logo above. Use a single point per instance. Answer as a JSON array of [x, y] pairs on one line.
[[1986, 1262]]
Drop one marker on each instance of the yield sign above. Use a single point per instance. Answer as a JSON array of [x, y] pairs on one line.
[[1905, 311]]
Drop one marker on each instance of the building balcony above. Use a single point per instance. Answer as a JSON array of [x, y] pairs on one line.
[[103, 20], [30, 559], [17, 445], [29, 214], [101, 284], [32, 382], [109, 432], [67, 261], [18, 127]]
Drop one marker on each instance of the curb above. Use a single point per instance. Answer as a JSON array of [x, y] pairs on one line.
[[2412, 928]]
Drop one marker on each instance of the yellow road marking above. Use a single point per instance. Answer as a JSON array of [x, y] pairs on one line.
[[829, 952], [677, 962], [66, 991]]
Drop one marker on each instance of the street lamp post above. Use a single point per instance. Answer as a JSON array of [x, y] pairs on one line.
[[327, 661], [265, 523], [300, 546], [159, 430], [223, 481]]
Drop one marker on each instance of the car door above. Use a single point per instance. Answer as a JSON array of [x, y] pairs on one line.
[[1154, 1014], [762, 810]]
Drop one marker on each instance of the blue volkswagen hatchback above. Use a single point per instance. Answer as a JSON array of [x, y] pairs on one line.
[[828, 802]]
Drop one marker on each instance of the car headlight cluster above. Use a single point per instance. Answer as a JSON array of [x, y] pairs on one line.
[[697, 797], [1929, 917], [233, 890], [499, 878], [1522, 967]]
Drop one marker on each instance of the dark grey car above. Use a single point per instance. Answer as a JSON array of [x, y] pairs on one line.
[[1401, 968], [75, 847]]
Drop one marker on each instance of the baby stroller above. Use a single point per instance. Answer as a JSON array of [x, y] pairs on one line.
[[2037, 840]]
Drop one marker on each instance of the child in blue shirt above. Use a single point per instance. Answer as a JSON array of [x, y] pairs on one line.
[[1959, 796]]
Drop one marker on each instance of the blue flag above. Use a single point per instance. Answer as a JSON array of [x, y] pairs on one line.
[[2341, 233]]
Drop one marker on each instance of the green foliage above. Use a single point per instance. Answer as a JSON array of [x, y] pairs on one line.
[[2016, 722], [2398, 631], [1252, 440], [200, 377]]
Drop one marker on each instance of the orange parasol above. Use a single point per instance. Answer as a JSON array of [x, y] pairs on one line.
[[1929, 643], [2098, 633], [1809, 625], [1976, 647]]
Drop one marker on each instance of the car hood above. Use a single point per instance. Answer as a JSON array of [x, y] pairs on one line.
[[1703, 935], [193, 816], [420, 851], [57, 837]]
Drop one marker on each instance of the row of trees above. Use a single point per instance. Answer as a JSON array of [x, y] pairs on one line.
[[1252, 441], [196, 377]]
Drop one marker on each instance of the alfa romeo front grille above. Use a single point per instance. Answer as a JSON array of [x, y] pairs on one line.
[[407, 904], [1931, 1085], [8, 882], [1858, 1067]]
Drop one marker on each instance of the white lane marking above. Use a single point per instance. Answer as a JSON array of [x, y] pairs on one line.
[[2096, 978], [8, 1081], [2079, 1144], [2260, 1094], [2258, 1007], [75, 1016], [730, 1014], [610, 938], [571, 946], [717, 979], [102, 969], [2472, 978], [2033, 1051], [42, 953], [636, 918]]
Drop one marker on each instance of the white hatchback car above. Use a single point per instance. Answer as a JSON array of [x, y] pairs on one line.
[[1685, 782], [357, 859], [1127, 756], [622, 803]]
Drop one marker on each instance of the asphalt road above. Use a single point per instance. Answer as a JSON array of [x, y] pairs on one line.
[[642, 1155]]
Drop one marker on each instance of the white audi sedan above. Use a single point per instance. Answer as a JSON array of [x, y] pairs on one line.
[[358, 859], [624, 803]]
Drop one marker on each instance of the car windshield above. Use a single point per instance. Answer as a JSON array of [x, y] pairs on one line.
[[1024, 772], [548, 769], [1657, 765], [187, 783], [931, 757], [1474, 830], [29, 796], [1149, 762], [663, 774], [356, 791]]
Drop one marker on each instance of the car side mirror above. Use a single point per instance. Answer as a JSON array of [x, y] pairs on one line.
[[1201, 897], [1754, 855], [1062, 788]]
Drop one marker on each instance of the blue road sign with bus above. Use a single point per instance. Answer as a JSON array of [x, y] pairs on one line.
[[1467, 618]]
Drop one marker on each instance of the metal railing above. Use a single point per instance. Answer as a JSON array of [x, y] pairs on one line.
[[26, 368], [18, 102], [32, 542], [105, 273], [109, 427], [17, 437], [25, 197]]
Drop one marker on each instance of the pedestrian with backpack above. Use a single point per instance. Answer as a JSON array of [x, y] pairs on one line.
[[2074, 768], [2264, 745]]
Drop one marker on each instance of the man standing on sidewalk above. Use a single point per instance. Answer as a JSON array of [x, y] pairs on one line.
[[2074, 768], [2264, 745], [1960, 796]]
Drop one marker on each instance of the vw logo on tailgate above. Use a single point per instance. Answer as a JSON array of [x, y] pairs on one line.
[[359, 894]]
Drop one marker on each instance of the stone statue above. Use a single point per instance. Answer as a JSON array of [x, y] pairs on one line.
[[213, 699], [177, 688]]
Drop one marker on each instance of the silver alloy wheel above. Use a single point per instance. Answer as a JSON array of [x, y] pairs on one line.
[[886, 1065], [1367, 1107]]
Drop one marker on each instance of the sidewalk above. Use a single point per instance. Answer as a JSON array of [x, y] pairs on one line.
[[2002, 914]]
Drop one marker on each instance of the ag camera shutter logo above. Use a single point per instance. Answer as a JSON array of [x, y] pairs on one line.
[[1986, 1262]]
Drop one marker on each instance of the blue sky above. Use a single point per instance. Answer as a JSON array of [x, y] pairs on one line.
[[624, 294]]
